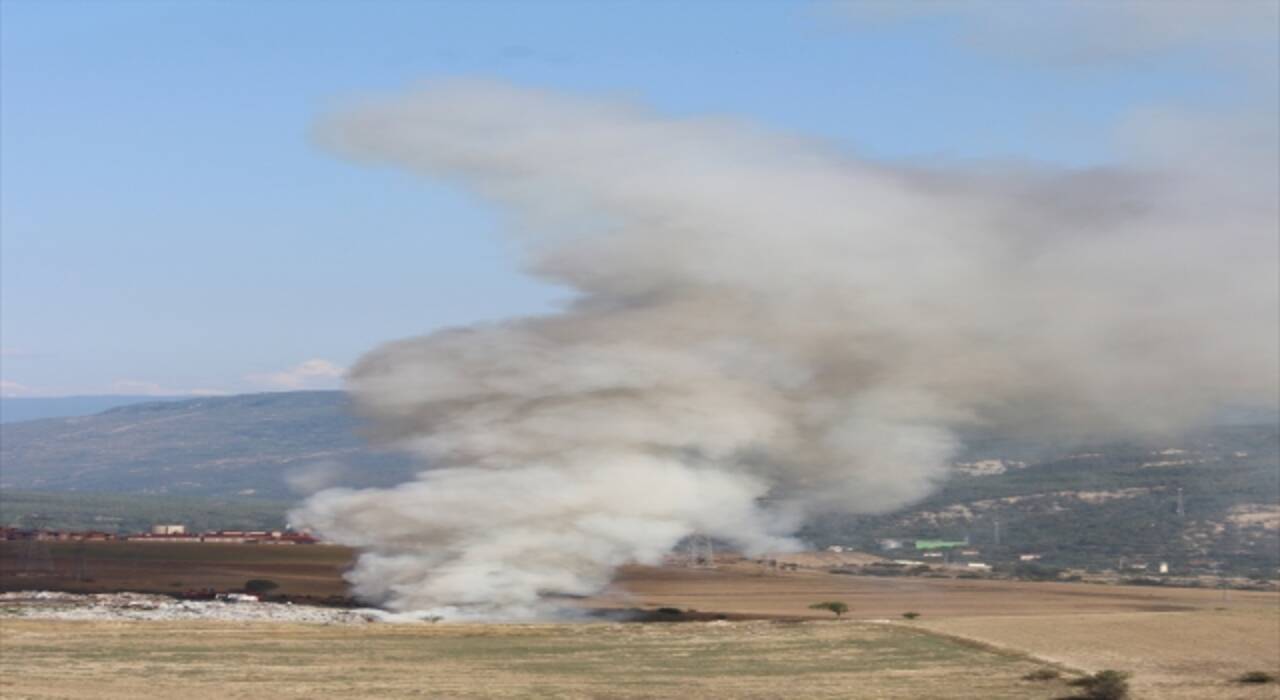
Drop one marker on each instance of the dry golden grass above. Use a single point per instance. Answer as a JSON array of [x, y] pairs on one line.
[[126, 660], [746, 589], [1180, 643], [1172, 655]]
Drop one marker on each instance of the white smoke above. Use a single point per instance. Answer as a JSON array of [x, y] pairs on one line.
[[760, 316]]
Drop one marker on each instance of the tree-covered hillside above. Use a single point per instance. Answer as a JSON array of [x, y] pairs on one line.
[[1108, 506], [110, 512], [1100, 506]]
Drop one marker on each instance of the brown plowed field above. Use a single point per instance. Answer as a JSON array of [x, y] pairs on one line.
[[163, 567]]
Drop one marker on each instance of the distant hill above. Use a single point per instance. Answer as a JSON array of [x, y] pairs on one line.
[[245, 458], [248, 446], [1106, 506], [14, 410], [110, 512]]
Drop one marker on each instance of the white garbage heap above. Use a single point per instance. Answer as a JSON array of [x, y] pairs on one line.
[[236, 607]]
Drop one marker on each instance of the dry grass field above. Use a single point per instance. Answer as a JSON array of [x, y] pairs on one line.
[[975, 638], [747, 589], [759, 659], [1178, 642], [1172, 655]]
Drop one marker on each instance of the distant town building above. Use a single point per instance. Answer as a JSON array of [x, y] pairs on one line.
[[835, 548], [890, 543], [162, 533], [979, 566], [941, 544], [1029, 557], [229, 537]]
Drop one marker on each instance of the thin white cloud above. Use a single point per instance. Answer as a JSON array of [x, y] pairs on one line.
[[13, 390], [315, 373], [25, 353]]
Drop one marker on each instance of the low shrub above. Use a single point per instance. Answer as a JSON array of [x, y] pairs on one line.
[[260, 586], [1042, 674], [1104, 685], [835, 606], [1256, 677]]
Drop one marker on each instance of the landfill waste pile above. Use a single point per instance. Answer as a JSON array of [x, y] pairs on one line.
[[50, 605]]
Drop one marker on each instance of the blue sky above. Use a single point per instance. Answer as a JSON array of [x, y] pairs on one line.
[[168, 226]]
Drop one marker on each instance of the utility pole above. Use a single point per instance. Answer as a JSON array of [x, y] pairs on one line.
[[996, 528], [701, 552], [34, 556], [78, 568], [1182, 511]]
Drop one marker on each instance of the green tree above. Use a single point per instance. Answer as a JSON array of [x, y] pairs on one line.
[[835, 606]]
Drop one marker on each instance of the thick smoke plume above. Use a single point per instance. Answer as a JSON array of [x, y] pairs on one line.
[[764, 327]]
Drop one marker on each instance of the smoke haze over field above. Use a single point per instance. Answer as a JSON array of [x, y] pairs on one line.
[[760, 315]]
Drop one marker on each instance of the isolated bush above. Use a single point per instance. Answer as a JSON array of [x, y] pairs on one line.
[[1104, 685], [835, 606], [1256, 677], [1031, 571], [911, 615], [259, 586], [670, 611], [1042, 674]]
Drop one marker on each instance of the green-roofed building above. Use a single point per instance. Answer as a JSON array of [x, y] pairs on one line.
[[940, 544]]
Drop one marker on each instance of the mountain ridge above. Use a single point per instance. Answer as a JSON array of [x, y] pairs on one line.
[[246, 445], [1073, 505], [15, 409]]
